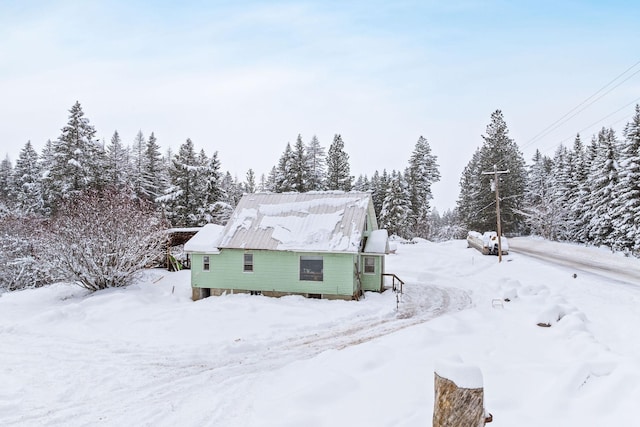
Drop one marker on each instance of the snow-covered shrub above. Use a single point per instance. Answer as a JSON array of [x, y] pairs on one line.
[[19, 267], [102, 239]]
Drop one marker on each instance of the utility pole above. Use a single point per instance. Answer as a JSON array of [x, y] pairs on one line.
[[499, 226]]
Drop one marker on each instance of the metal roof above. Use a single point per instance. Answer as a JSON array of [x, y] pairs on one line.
[[313, 221]]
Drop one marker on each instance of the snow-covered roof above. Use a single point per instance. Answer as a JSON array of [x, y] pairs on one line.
[[206, 240], [313, 222], [378, 242], [184, 229]]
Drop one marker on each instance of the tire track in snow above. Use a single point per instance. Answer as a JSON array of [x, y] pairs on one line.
[[235, 373], [172, 381]]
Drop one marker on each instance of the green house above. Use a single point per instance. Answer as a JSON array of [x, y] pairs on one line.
[[317, 244]]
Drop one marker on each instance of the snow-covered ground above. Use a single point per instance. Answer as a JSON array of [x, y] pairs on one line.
[[148, 355]]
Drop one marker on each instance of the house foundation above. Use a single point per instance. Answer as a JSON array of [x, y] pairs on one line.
[[200, 293]]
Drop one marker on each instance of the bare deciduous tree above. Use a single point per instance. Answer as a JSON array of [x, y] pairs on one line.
[[102, 239], [19, 267]]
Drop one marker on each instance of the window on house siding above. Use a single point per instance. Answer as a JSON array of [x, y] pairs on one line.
[[311, 268], [369, 264], [205, 263], [248, 263]]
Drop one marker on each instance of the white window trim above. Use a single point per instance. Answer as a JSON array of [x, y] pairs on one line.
[[364, 262], [244, 264]]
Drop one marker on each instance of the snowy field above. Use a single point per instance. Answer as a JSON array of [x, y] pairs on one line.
[[149, 356]]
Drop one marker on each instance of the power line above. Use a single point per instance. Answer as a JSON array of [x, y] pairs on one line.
[[601, 120], [572, 113]]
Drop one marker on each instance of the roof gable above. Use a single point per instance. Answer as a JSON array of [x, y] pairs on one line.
[[312, 222]]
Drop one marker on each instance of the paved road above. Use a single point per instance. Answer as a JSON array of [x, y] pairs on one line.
[[608, 266]]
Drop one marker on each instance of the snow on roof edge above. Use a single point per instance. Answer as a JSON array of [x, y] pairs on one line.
[[206, 240], [378, 242]]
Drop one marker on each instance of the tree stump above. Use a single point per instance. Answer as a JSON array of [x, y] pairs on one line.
[[454, 405]]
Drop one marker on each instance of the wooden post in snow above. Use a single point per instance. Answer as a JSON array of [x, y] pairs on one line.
[[459, 396]]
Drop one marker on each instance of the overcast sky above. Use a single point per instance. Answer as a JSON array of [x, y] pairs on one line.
[[245, 77]]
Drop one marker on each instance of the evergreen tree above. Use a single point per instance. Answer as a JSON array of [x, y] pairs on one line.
[[117, 163], [450, 226], [582, 212], [469, 211], [232, 189], [97, 165], [182, 196], [270, 184], [577, 185], [45, 165], [421, 174], [379, 185], [627, 209], [250, 182], [540, 207], [362, 183], [27, 191], [262, 185], [558, 183], [299, 164], [215, 206], [316, 165], [76, 157], [6, 179], [396, 208], [603, 185], [213, 190], [477, 203], [338, 169], [285, 176], [154, 173], [138, 164]]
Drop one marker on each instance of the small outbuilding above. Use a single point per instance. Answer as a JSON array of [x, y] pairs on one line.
[[316, 244]]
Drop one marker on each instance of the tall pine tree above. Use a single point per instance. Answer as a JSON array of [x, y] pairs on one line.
[[76, 157], [396, 207], [603, 185], [471, 215], [26, 180], [299, 171], [627, 210], [183, 198], [117, 163], [338, 168], [285, 176], [477, 202], [154, 172], [137, 165], [6, 180], [316, 165], [539, 204], [421, 174]]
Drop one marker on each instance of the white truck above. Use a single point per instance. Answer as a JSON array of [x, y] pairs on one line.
[[487, 243]]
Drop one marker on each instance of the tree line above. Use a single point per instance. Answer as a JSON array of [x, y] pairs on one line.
[[188, 188], [587, 193]]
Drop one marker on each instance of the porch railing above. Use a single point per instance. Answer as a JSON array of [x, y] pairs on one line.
[[396, 282]]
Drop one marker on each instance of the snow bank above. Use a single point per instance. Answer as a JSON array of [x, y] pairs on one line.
[[148, 355]]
